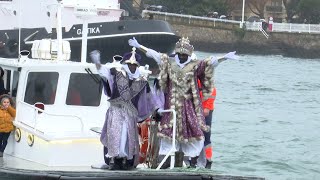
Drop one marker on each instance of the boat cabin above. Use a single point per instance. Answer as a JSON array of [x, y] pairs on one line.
[[57, 104]]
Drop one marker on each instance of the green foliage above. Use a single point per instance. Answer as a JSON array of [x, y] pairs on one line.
[[240, 32], [310, 10], [292, 8]]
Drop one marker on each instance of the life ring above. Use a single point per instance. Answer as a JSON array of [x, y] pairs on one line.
[[144, 138], [17, 135], [30, 139]]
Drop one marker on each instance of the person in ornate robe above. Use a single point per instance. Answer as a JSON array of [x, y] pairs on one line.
[[178, 80], [129, 104]]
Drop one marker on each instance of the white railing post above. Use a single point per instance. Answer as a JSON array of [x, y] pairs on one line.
[[309, 28], [173, 148], [36, 112]]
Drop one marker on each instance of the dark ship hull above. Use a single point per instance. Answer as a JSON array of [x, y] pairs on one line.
[[111, 38]]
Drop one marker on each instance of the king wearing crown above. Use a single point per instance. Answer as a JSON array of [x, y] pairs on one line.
[[178, 80]]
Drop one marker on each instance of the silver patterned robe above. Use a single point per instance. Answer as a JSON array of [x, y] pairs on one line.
[[129, 104], [180, 87]]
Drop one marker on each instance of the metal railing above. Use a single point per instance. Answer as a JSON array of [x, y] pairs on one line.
[[253, 26], [190, 17], [289, 27], [173, 148], [286, 27], [264, 32], [36, 110]]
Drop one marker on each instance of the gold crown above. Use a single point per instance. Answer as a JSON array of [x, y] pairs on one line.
[[183, 46]]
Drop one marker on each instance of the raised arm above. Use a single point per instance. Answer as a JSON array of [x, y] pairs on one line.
[[231, 55], [149, 52], [103, 71]]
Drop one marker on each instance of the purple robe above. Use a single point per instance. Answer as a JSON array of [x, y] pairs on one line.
[[129, 103]]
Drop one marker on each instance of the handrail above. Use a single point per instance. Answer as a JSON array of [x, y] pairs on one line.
[[173, 148], [263, 31], [190, 16], [50, 114], [253, 26]]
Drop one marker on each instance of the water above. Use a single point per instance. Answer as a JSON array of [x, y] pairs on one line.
[[267, 117]]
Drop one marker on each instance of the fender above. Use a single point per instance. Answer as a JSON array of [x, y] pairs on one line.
[[144, 138]]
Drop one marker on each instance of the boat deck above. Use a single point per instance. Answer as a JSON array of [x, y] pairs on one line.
[[12, 168]]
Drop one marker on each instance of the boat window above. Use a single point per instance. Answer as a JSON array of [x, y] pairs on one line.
[[41, 87], [15, 82], [83, 90], [8, 89], [5, 81]]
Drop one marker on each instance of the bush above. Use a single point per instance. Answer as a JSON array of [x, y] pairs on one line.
[[240, 32]]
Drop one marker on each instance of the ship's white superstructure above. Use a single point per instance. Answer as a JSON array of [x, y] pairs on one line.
[[42, 13]]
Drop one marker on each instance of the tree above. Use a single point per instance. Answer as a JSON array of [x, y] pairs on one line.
[[232, 4], [310, 11], [257, 7], [292, 8]]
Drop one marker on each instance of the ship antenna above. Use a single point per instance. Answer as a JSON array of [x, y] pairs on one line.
[[19, 21], [59, 31]]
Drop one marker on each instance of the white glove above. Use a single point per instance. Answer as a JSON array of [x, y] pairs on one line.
[[214, 61], [134, 43], [231, 55], [159, 111], [95, 56], [193, 56]]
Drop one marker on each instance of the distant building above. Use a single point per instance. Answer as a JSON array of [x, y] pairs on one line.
[[273, 8]]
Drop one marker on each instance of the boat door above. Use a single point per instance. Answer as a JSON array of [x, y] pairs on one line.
[[11, 79]]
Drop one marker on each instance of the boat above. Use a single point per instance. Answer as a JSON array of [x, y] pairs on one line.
[[60, 104], [107, 27]]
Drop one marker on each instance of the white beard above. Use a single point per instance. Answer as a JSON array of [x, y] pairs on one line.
[[132, 76]]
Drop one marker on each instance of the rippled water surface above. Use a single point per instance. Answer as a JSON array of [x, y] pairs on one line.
[[267, 117]]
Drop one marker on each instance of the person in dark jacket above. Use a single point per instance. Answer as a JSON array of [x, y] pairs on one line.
[[2, 89]]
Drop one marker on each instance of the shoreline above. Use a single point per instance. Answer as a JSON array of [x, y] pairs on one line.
[[296, 45], [252, 49]]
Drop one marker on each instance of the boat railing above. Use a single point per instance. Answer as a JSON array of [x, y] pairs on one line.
[[190, 17], [173, 148], [33, 128]]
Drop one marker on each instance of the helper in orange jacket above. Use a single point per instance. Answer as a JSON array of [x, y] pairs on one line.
[[208, 107]]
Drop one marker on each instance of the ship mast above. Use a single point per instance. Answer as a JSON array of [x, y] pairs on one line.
[[59, 30], [19, 21], [84, 13]]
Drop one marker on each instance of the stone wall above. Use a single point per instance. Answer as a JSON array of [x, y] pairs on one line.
[[214, 36], [251, 42]]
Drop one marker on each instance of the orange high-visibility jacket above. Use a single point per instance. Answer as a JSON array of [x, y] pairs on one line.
[[209, 103]]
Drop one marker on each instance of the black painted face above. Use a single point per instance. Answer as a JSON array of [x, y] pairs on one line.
[[132, 67], [182, 57]]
